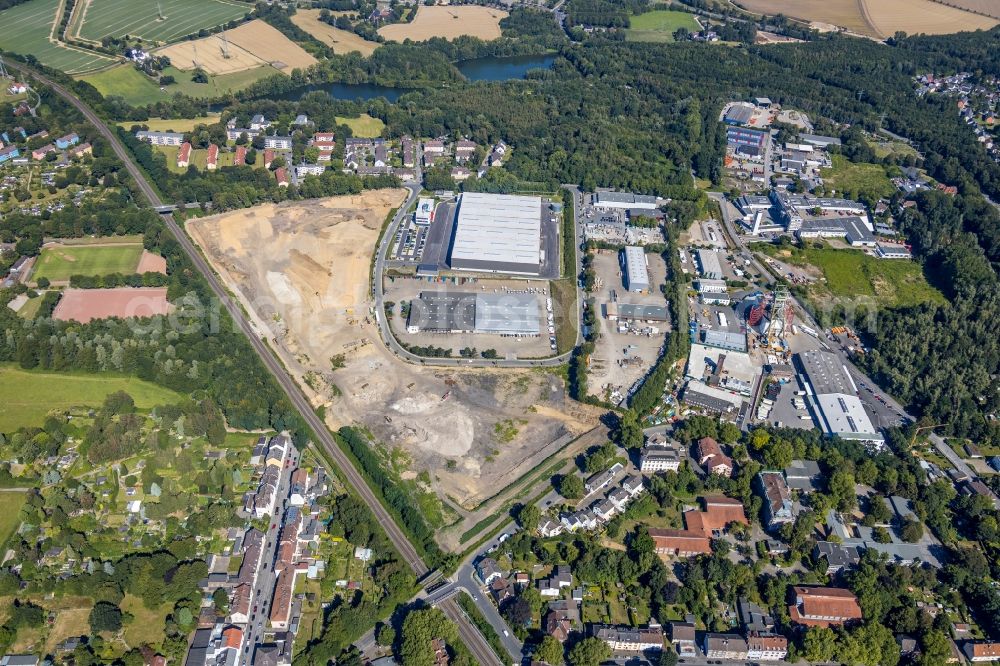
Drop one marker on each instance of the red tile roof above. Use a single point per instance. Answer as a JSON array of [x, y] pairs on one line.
[[232, 637], [823, 606]]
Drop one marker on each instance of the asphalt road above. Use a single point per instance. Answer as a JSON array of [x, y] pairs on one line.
[[470, 635], [265, 578]]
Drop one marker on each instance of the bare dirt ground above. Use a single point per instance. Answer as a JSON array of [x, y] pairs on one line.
[[151, 263], [302, 270], [448, 22], [84, 305]]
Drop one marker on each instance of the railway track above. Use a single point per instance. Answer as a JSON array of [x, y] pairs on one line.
[[469, 634]]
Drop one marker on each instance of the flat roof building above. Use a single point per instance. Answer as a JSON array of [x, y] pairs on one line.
[[507, 314], [468, 312], [606, 199], [498, 233], [724, 340], [635, 271], [708, 261], [632, 312], [833, 397]]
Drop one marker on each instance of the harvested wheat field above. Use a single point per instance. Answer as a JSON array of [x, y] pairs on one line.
[[268, 44], [922, 16], [448, 22], [341, 41], [84, 305], [209, 54], [877, 18], [250, 45], [987, 7]]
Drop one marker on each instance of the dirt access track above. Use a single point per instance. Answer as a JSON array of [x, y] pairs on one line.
[[302, 270]]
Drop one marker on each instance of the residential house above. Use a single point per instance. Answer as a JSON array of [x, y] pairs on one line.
[[680, 543], [160, 138], [718, 513], [460, 173], [259, 123], [981, 651], [633, 486], [501, 590], [753, 617], [212, 161], [301, 120], [765, 646], [240, 159], [239, 606], [488, 570], [710, 456], [17, 88], [725, 646], [604, 509], [659, 459], [682, 636], [602, 480], [299, 486], [824, 606], [64, 142], [561, 618], [81, 150], [552, 586], [40, 153], [9, 153], [838, 556], [408, 148], [268, 158], [629, 639], [465, 150], [19, 660], [278, 142], [184, 155], [550, 528], [778, 508]]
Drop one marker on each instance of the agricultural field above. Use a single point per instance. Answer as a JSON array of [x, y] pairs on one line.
[[27, 397], [856, 276], [247, 47], [341, 41], [59, 262], [97, 19], [138, 89], [363, 126], [922, 16], [987, 7], [11, 502], [26, 30], [855, 180], [659, 26], [878, 18], [447, 21]]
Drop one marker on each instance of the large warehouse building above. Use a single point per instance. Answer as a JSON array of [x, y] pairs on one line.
[[833, 397], [636, 272], [498, 233], [471, 312]]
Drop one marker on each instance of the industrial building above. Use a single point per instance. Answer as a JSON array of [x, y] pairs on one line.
[[725, 340], [634, 269], [742, 136], [498, 233], [711, 267], [625, 200], [853, 229], [711, 398], [425, 211], [833, 397], [628, 312], [470, 312]]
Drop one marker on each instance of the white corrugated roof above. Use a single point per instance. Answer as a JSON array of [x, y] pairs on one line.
[[498, 227]]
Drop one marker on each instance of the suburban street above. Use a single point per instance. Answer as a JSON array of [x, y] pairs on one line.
[[325, 440], [264, 579]]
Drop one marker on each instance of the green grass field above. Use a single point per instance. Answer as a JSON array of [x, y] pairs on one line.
[[854, 180], [854, 274], [173, 124], [363, 126], [10, 513], [58, 263], [27, 397], [25, 29], [659, 26], [116, 18], [138, 89]]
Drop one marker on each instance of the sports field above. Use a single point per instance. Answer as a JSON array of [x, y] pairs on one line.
[[448, 21], [659, 26], [341, 41], [26, 28], [59, 262], [10, 513], [27, 397], [115, 18], [137, 89]]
